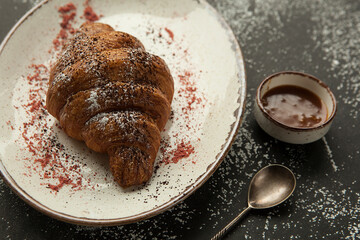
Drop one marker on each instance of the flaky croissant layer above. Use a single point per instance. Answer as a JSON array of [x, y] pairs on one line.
[[106, 90]]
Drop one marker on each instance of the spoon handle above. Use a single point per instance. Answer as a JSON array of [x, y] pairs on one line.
[[231, 224]]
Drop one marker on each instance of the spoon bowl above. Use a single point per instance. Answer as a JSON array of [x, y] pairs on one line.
[[269, 187]]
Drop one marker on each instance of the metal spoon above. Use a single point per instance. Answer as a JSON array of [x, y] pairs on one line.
[[269, 187]]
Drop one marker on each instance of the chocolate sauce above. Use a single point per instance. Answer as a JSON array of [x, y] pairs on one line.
[[295, 106]]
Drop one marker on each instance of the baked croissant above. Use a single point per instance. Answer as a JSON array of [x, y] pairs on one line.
[[106, 90]]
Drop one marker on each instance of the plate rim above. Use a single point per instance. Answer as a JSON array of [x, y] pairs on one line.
[[189, 190]]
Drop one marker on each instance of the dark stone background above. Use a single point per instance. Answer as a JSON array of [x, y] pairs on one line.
[[320, 37]]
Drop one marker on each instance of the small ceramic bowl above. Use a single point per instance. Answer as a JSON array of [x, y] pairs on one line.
[[291, 134]]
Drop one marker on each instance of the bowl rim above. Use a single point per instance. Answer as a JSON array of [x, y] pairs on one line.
[[297, 129]]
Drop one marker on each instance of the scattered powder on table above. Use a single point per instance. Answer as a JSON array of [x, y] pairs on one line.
[[248, 153]]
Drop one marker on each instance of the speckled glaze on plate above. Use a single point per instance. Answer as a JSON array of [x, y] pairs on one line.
[[195, 42]]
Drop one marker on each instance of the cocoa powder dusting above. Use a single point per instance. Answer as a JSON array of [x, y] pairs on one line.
[[188, 90], [49, 158], [66, 8], [171, 34], [191, 99], [90, 15], [182, 150], [67, 14]]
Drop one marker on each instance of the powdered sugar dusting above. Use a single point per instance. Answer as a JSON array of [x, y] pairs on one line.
[[63, 78], [200, 105], [317, 36], [93, 101], [330, 30], [124, 120], [333, 164], [103, 121]]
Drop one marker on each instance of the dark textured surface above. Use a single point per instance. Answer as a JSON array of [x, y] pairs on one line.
[[314, 36]]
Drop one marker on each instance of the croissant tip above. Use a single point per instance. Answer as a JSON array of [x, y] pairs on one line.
[[130, 166]]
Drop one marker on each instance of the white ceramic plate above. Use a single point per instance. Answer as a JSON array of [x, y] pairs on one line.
[[37, 157]]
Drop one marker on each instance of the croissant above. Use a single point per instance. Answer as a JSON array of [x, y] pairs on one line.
[[107, 91]]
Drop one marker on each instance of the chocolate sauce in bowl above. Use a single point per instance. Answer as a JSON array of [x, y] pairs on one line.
[[295, 106]]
